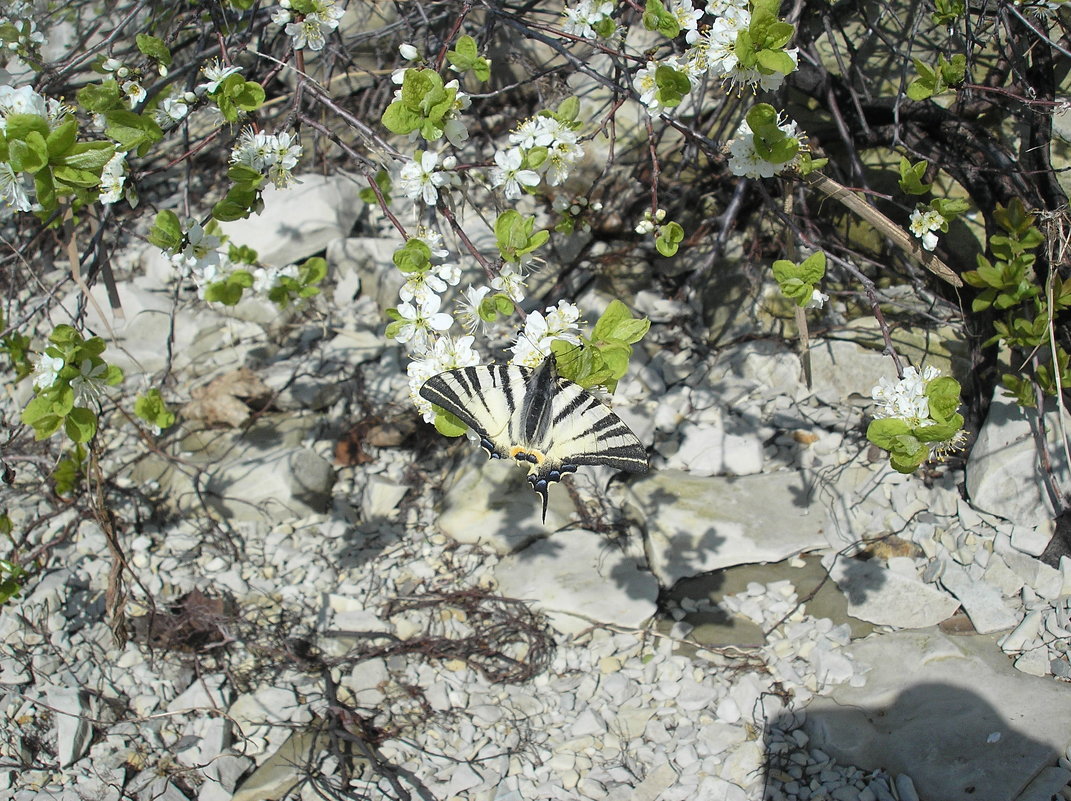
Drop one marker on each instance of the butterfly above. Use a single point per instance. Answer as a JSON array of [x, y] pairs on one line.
[[537, 418]]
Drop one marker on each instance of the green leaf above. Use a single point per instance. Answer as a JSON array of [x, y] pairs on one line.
[[656, 18], [886, 431], [29, 154], [154, 48], [669, 238], [166, 232], [448, 424], [60, 139], [80, 424], [412, 257], [88, 156], [132, 131], [775, 61], [72, 177], [911, 177], [813, 268], [102, 97], [672, 85]]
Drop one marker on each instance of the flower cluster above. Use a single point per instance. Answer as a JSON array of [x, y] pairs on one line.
[[540, 329], [112, 180], [17, 189], [906, 398], [588, 17], [421, 177], [745, 159], [546, 146], [712, 51], [88, 383], [453, 123], [129, 80], [274, 155], [18, 27], [923, 224], [308, 22]]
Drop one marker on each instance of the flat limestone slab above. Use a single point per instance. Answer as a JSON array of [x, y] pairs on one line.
[[950, 712], [696, 524]]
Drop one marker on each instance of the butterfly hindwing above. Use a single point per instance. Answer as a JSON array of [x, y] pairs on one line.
[[587, 432]]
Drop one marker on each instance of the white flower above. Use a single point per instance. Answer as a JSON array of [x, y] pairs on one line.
[[644, 84], [23, 100], [281, 16], [88, 385], [510, 282], [275, 155], [560, 161], [433, 239], [312, 29], [720, 41], [420, 286], [45, 369], [534, 132], [12, 189], [469, 307], [216, 73], [420, 179], [905, 398], [924, 223], [112, 178], [508, 173], [173, 109], [408, 52], [687, 17], [818, 300], [134, 92], [420, 320]]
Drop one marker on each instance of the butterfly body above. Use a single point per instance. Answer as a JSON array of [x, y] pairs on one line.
[[536, 418]]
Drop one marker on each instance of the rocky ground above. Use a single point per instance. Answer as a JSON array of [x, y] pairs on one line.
[[326, 599]]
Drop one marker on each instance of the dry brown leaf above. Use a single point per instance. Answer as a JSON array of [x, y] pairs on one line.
[[228, 400]]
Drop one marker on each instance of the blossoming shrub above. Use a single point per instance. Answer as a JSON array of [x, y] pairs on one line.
[[676, 120]]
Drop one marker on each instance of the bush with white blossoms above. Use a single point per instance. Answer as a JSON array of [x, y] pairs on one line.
[[917, 417]]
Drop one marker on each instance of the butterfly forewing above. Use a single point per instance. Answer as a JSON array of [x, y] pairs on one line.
[[485, 397]]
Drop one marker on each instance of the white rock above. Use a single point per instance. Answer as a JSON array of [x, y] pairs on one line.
[[380, 498], [73, 730], [842, 369], [1032, 539], [276, 485], [696, 525], [577, 577], [1023, 634], [299, 221], [890, 598], [934, 726], [707, 450], [1003, 474], [983, 604], [206, 692]]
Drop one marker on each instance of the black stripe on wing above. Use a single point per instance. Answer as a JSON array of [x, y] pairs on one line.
[[457, 391]]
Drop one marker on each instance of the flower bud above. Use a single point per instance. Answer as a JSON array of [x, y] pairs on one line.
[[407, 51]]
